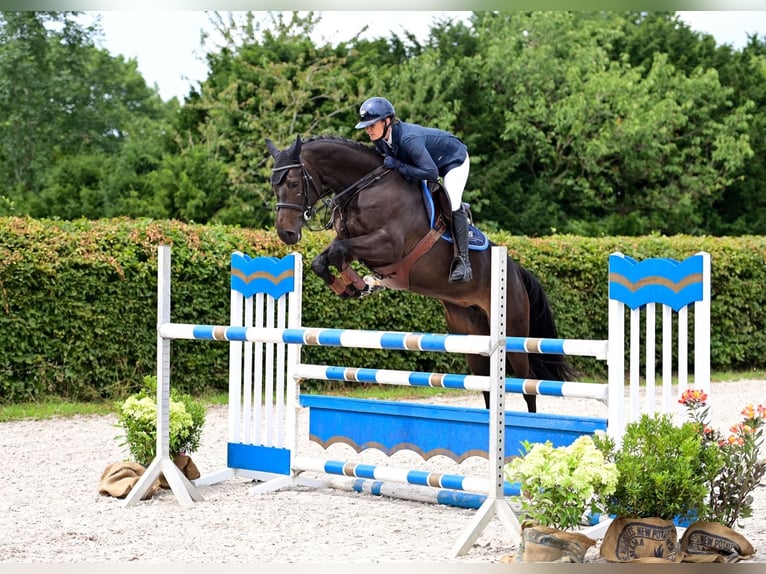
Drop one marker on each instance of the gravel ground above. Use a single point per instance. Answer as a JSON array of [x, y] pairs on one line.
[[51, 512]]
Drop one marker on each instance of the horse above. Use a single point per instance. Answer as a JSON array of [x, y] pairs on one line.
[[381, 220]]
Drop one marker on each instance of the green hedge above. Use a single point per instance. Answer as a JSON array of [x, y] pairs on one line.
[[79, 319]]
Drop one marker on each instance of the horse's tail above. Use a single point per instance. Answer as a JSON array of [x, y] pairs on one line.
[[543, 325]]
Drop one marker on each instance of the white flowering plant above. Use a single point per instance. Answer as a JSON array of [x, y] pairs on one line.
[[137, 416], [560, 484]]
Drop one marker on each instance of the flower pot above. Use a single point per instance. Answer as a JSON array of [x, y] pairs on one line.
[[641, 540], [546, 544], [706, 541]]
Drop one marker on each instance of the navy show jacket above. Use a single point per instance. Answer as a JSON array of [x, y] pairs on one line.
[[426, 152]]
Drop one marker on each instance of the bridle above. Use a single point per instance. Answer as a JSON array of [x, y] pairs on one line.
[[324, 200], [308, 210]]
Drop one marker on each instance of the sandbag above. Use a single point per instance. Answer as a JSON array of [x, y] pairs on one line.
[[119, 478], [546, 544], [707, 541], [641, 540], [187, 467]]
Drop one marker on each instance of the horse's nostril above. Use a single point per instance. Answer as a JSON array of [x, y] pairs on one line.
[[289, 237]]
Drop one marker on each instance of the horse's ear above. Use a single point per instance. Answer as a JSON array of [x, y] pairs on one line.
[[295, 150], [272, 148]]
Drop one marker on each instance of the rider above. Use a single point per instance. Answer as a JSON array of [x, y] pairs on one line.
[[424, 153]]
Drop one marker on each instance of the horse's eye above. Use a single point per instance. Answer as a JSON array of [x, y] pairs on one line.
[[294, 183]]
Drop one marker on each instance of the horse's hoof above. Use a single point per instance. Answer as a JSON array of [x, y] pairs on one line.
[[372, 285], [358, 293]]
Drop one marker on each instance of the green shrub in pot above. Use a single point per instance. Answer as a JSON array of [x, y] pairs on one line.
[[663, 469], [137, 416]]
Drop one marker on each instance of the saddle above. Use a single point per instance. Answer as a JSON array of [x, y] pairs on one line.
[[437, 204]]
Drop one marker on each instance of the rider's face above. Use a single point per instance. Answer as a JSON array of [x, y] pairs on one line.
[[376, 130]]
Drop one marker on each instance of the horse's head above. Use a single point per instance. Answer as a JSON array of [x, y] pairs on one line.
[[307, 174], [295, 189]]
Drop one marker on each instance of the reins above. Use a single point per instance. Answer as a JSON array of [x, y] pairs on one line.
[[356, 187], [338, 203]]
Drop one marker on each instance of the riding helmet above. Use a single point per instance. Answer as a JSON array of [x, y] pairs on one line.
[[373, 110]]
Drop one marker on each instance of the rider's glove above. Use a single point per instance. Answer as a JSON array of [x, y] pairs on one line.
[[390, 162]]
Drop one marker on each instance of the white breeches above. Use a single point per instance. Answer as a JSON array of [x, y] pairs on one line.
[[454, 183]]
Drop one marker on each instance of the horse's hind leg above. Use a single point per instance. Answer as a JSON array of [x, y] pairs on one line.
[[469, 321], [519, 363], [473, 321], [479, 365]]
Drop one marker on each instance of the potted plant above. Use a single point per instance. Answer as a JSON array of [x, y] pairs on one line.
[[663, 473], [137, 416], [729, 491], [558, 487]]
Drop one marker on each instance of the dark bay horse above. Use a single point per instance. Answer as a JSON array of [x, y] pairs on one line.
[[381, 221]]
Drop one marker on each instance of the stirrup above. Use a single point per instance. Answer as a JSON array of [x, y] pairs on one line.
[[460, 271]]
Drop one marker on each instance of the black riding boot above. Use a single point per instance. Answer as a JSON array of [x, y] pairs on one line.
[[460, 270]]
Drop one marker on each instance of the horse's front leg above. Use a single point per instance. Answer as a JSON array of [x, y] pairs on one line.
[[375, 246], [349, 284], [320, 265]]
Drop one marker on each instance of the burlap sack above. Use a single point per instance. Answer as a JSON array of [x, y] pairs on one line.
[[187, 466], [641, 540], [119, 478], [545, 544], [707, 541]]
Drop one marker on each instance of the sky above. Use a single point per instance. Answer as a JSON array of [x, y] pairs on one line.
[[166, 44]]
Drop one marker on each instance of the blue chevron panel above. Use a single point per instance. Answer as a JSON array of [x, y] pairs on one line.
[[269, 275], [667, 281]]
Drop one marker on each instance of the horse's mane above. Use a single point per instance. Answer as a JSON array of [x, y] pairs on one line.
[[291, 155], [369, 148]]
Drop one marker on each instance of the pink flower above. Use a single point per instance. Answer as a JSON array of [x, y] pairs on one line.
[[693, 397]]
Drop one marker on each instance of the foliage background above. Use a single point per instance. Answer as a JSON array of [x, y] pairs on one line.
[[589, 132], [78, 302], [585, 123]]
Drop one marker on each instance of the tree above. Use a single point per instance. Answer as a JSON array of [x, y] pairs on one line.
[[264, 82], [581, 122], [593, 145], [741, 208], [64, 104]]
